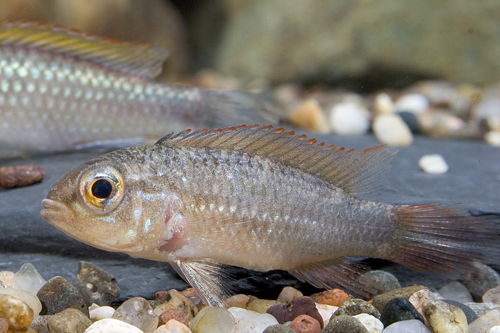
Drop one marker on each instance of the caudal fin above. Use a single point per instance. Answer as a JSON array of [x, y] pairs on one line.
[[444, 240], [234, 107]]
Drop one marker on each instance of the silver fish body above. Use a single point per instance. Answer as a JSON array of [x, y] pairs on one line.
[[256, 198]]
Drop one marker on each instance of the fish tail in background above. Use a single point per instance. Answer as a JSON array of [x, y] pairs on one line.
[[444, 240], [236, 107]]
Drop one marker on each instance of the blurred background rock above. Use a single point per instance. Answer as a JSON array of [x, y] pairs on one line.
[[361, 44]]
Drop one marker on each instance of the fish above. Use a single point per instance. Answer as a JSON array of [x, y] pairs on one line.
[[62, 89], [260, 198]]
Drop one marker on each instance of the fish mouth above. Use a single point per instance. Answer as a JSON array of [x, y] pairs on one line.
[[57, 214]]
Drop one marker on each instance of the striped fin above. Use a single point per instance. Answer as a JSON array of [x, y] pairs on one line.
[[143, 60], [354, 171]]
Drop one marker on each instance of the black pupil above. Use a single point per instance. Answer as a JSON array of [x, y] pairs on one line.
[[102, 189]]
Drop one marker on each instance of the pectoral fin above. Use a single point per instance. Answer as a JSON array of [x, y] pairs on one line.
[[209, 279], [342, 273]]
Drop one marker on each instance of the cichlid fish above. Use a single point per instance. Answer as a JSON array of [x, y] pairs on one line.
[[61, 89], [259, 198]]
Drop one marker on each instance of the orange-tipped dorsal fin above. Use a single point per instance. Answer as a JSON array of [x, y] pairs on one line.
[[354, 171], [138, 59]]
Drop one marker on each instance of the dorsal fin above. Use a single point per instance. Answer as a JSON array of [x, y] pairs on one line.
[[143, 60], [354, 171]]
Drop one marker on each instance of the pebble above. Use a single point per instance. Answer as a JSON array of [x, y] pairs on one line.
[[326, 312], [349, 119], [305, 324], [28, 278], [138, 312], [407, 326], [434, 164], [485, 322], [399, 309], [353, 307], [380, 301], [95, 284], [480, 280], [175, 314], [21, 175], [390, 129], [238, 300], [445, 318], [40, 324], [260, 305], [410, 120], [414, 103], [310, 116], [173, 299], [385, 280], [383, 104], [279, 329], [333, 297], [492, 138], [419, 298], [494, 329], [456, 291], [469, 313], [15, 312], [97, 312], [372, 324], [250, 321], [213, 320], [301, 305], [58, 294], [288, 294], [173, 326], [7, 278], [110, 325], [69, 320], [481, 308], [344, 324], [31, 300]]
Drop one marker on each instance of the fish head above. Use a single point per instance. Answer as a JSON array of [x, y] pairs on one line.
[[110, 204]]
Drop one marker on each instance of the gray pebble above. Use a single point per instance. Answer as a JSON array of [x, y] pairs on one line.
[[353, 307], [96, 285], [481, 308], [278, 329], [69, 320], [456, 291], [344, 324], [40, 324], [480, 280], [58, 294], [469, 313], [383, 280]]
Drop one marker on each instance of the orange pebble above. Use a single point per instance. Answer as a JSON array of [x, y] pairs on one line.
[[305, 324], [333, 297]]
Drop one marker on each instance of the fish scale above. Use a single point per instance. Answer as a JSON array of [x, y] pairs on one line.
[[251, 197]]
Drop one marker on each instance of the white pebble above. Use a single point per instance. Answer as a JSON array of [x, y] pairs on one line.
[[407, 326], [456, 292], [110, 325], [30, 299], [372, 324], [326, 311], [392, 130], [493, 138], [349, 119], [213, 320], [383, 104], [28, 278], [414, 103], [250, 321], [434, 164], [494, 329], [138, 312], [7, 278], [173, 326], [97, 312]]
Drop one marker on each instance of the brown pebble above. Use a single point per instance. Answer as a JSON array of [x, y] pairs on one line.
[[176, 314], [299, 306], [21, 175], [160, 294], [305, 324], [333, 297]]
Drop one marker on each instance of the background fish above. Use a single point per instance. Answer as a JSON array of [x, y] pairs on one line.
[[61, 89], [259, 198]]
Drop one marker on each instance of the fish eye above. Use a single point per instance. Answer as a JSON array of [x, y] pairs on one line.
[[102, 189]]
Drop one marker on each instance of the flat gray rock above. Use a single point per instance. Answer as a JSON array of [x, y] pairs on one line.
[[472, 181]]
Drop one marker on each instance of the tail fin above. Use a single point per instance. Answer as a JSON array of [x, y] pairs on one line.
[[234, 107], [444, 240]]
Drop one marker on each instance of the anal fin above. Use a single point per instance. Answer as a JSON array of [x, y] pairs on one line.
[[208, 278], [344, 273]]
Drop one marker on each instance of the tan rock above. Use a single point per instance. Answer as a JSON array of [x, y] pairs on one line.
[[288, 294], [175, 300], [445, 318], [69, 320], [260, 305], [309, 115], [15, 312], [485, 322]]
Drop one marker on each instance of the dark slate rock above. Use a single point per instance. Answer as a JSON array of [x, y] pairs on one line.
[[58, 294], [355, 306], [399, 309], [411, 120], [469, 313], [344, 324], [96, 285], [301, 305], [278, 329]]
